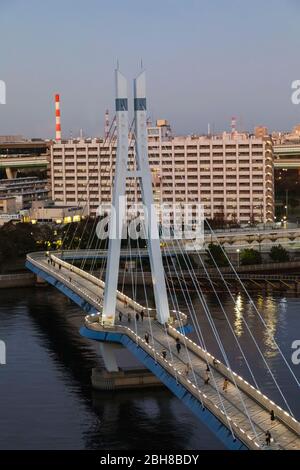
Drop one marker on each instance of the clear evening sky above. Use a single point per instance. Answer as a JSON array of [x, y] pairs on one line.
[[206, 60]]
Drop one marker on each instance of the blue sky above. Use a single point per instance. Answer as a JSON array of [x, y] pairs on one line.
[[206, 61]]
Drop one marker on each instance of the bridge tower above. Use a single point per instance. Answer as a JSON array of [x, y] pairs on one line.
[[117, 218]]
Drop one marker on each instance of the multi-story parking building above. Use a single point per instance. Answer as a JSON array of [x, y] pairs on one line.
[[230, 174]]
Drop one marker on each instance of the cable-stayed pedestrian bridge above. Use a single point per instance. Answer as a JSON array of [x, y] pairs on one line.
[[238, 415], [235, 410]]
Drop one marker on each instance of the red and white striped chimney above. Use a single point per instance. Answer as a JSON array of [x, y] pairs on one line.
[[57, 119]]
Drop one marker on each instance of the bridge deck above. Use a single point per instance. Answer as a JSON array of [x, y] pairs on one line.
[[235, 403]]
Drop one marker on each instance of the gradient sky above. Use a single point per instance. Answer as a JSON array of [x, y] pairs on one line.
[[206, 60]]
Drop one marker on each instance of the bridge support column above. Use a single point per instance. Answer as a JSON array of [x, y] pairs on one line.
[[108, 355], [11, 173]]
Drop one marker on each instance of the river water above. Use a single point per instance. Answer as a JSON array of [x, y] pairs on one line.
[[46, 397]]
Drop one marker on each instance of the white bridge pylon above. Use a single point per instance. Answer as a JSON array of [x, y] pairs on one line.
[[117, 218]]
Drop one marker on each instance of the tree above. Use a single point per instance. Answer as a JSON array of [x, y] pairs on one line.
[[250, 256], [278, 254], [216, 253]]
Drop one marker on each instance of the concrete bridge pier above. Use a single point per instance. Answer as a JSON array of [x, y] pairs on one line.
[[113, 377], [11, 173], [107, 351], [39, 281]]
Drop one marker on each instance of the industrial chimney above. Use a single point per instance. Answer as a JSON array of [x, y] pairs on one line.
[[57, 119]]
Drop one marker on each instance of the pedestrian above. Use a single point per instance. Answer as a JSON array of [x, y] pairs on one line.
[[187, 369], [120, 316], [164, 353], [137, 316], [268, 438], [207, 368], [178, 345], [207, 378], [147, 337], [70, 279], [59, 266], [48, 261], [128, 317], [142, 315], [272, 415], [225, 385]]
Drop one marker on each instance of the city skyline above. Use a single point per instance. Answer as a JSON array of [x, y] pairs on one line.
[[192, 80]]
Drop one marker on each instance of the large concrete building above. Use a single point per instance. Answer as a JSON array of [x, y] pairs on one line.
[[24, 190], [286, 149], [230, 174]]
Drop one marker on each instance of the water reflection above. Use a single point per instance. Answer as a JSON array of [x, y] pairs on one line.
[[238, 310]]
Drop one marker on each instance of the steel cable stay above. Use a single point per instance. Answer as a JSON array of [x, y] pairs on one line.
[[245, 322], [208, 315], [175, 303], [255, 308], [261, 353], [147, 305], [109, 138], [93, 233], [229, 424], [225, 315], [86, 185], [164, 326], [218, 338], [215, 332], [144, 229]]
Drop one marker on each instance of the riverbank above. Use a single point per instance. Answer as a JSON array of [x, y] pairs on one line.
[[25, 279]]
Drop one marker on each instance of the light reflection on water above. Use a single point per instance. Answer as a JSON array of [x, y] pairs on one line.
[[238, 310]]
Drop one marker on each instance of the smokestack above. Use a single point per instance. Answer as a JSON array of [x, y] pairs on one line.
[[106, 127], [233, 125], [57, 119]]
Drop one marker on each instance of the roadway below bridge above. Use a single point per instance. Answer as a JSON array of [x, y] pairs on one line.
[[239, 416]]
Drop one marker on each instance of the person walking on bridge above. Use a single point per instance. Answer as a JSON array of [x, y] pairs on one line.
[[225, 385], [120, 316], [268, 438], [206, 378], [272, 415], [178, 345], [187, 369], [164, 353]]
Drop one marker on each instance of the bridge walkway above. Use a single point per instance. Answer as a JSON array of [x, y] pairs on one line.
[[227, 405]]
